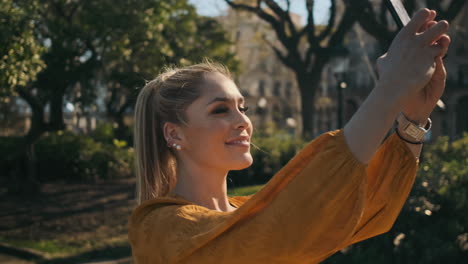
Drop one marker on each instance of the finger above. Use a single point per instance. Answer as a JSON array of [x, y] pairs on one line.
[[440, 68], [444, 41], [417, 21], [436, 50], [434, 33], [426, 26], [429, 22]]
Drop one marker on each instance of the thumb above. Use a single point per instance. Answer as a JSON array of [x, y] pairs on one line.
[[440, 72]]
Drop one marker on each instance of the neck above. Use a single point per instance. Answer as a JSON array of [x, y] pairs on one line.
[[205, 187]]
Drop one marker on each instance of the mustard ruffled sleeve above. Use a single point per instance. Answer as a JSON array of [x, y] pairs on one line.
[[391, 174], [317, 204]]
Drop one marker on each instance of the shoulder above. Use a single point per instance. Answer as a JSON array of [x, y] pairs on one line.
[[173, 226], [155, 214]]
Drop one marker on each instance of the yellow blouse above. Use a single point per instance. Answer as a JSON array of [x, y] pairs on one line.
[[323, 200]]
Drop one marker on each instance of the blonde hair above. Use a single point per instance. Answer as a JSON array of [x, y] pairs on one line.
[[162, 100]]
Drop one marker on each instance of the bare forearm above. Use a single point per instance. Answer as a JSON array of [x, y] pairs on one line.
[[369, 125]]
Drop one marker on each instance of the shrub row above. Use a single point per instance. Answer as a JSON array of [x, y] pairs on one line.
[[270, 152], [66, 156]]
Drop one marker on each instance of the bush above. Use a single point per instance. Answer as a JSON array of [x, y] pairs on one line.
[[273, 150], [66, 156], [104, 132], [432, 227], [8, 148]]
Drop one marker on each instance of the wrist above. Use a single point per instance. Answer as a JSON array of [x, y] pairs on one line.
[[391, 101], [420, 119]]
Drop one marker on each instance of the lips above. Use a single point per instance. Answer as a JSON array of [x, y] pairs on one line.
[[242, 141]]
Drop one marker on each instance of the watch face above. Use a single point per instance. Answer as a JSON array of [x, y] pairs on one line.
[[414, 131]]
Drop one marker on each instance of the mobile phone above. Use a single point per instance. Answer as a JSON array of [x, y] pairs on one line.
[[398, 11]]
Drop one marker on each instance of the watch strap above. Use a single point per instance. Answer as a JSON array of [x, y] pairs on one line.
[[410, 131]]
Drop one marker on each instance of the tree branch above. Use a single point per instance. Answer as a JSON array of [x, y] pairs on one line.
[[283, 15], [290, 42], [33, 101], [310, 27], [452, 10], [347, 22], [278, 53], [331, 22], [366, 17]]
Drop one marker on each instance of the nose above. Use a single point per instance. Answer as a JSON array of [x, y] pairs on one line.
[[242, 121]]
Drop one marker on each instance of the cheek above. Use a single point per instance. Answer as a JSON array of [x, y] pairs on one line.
[[207, 136]]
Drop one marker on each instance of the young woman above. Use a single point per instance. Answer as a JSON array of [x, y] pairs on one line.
[[343, 187]]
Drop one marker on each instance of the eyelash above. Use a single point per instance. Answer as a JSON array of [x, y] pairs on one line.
[[223, 110]]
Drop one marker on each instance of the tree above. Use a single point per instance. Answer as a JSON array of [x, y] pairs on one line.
[[98, 41], [322, 44], [20, 60], [20, 50], [173, 40]]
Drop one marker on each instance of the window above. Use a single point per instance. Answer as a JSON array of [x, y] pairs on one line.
[[287, 89], [276, 88], [261, 88]]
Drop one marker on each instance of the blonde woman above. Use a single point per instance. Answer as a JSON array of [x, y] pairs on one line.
[[343, 187]]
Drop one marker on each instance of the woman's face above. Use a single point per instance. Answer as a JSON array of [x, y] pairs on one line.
[[218, 131]]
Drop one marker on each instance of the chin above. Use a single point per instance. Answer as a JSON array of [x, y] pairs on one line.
[[243, 163]]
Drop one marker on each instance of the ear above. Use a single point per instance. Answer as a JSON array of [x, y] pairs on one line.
[[173, 133]]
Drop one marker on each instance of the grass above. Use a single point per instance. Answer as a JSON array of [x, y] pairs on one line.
[[89, 235], [243, 191], [62, 248], [44, 246]]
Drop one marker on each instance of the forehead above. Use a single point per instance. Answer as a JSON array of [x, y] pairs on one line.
[[217, 85]]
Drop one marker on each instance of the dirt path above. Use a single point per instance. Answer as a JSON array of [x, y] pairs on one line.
[[70, 219]]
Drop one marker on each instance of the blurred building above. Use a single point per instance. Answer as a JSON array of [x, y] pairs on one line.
[[453, 119], [269, 87]]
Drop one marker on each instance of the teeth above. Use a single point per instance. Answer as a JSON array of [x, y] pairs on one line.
[[238, 142]]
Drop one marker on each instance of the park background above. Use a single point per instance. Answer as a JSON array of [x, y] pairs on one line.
[[70, 71]]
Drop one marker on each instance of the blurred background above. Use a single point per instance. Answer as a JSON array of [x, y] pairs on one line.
[[70, 71]]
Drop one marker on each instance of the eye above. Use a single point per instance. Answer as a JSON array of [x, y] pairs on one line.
[[243, 109], [220, 110]]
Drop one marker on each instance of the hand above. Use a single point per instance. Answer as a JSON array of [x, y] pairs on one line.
[[421, 105], [410, 62]]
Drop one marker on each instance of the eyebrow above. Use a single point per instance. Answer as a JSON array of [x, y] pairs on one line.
[[224, 99]]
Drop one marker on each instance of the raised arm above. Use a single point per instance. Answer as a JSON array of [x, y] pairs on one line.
[[405, 72]]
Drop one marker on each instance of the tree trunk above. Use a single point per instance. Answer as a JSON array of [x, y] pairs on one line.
[[26, 181], [308, 84], [120, 130], [56, 110]]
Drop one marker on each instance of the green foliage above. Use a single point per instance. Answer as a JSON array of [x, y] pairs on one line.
[[271, 150], [43, 246], [104, 132], [163, 33], [20, 50], [244, 191], [66, 156], [432, 227]]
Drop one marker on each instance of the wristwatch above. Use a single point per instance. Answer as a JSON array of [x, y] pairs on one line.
[[411, 132]]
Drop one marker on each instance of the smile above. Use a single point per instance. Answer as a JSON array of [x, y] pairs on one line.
[[239, 143]]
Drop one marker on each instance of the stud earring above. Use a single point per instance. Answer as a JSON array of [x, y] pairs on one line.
[[178, 147]]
